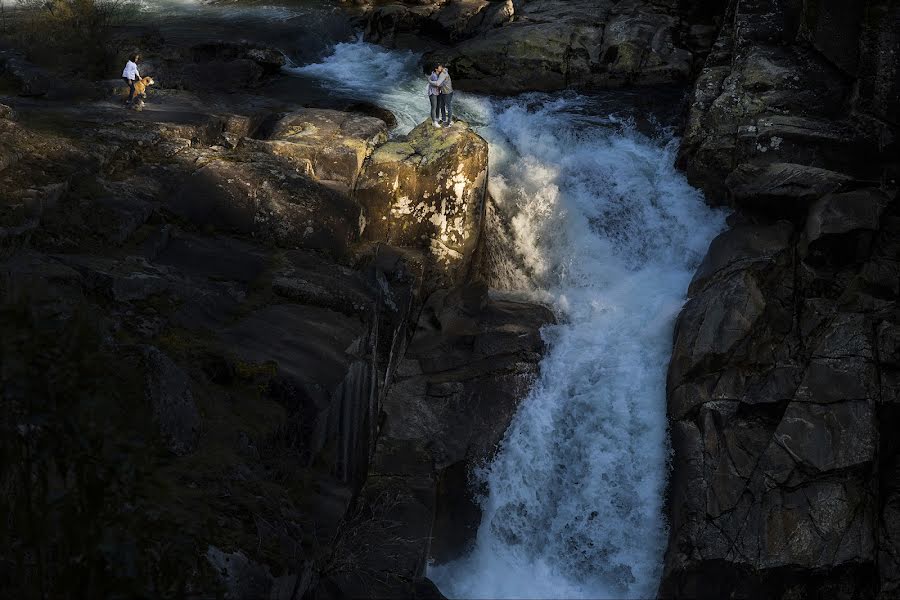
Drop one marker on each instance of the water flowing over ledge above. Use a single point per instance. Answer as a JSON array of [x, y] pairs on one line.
[[608, 233]]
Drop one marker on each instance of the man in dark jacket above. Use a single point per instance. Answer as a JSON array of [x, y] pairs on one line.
[[446, 98]]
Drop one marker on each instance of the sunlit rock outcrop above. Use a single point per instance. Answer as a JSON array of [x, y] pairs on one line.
[[330, 145], [426, 191]]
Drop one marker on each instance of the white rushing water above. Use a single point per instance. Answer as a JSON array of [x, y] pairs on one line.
[[608, 233]]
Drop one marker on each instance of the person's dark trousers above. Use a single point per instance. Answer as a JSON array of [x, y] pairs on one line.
[[435, 106], [446, 107], [130, 90]]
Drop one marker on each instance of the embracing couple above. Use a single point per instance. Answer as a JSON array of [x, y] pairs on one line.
[[440, 94]]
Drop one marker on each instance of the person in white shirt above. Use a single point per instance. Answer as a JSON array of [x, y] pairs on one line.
[[130, 75]]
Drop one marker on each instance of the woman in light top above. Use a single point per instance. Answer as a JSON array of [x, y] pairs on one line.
[[434, 93], [130, 74]]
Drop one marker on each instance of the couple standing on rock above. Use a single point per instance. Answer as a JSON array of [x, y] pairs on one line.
[[440, 94]]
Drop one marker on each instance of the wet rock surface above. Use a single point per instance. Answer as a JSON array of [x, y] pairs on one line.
[[782, 383]]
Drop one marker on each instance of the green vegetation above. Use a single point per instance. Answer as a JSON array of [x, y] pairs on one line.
[[73, 34], [94, 506], [74, 444]]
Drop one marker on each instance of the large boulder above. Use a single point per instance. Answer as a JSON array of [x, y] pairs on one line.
[[30, 79], [842, 226], [269, 59], [270, 198], [508, 47], [739, 248], [520, 57], [782, 189], [218, 65], [426, 191], [629, 45], [331, 145], [639, 47]]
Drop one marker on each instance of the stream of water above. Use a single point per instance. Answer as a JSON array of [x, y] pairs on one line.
[[608, 233]]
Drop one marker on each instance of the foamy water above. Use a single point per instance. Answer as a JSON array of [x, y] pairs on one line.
[[368, 72], [608, 233]]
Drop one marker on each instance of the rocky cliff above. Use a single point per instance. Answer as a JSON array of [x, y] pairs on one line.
[[242, 353], [782, 389], [507, 46]]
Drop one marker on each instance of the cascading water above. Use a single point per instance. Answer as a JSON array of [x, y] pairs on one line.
[[608, 233], [612, 233]]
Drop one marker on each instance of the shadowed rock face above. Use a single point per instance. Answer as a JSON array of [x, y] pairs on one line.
[[780, 394], [470, 361], [783, 382], [222, 371], [794, 110], [193, 280], [257, 194], [510, 47], [426, 191]]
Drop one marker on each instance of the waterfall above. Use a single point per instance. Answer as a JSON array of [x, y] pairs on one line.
[[608, 233]]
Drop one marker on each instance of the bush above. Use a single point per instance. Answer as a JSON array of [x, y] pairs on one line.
[[73, 34], [4, 18], [76, 444]]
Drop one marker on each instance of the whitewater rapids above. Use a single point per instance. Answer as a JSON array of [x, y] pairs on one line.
[[608, 234]]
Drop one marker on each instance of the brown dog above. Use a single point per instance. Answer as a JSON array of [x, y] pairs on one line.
[[141, 85]]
